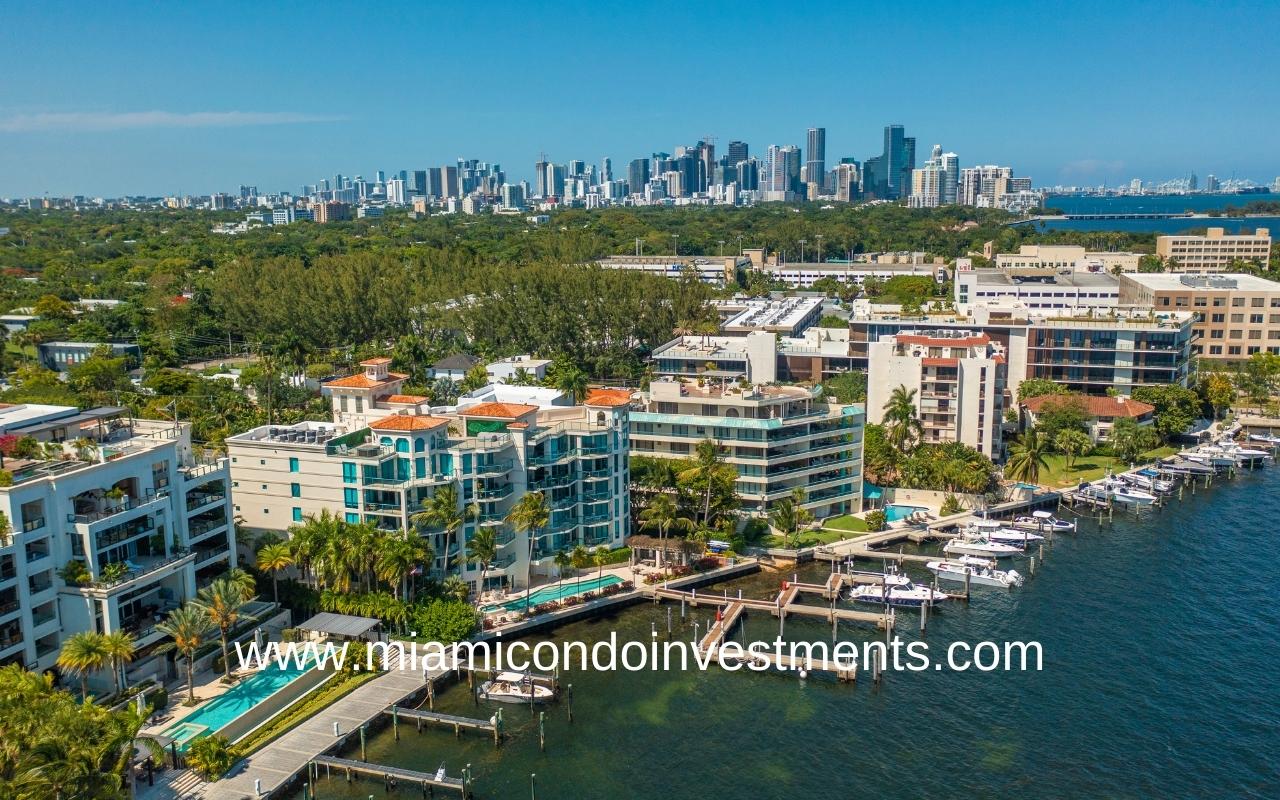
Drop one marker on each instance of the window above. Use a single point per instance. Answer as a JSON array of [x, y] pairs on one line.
[[1237, 318], [1233, 350], [349, 472], [1255, 319], [1219, 302], [351, 498], [1219, 317], [1215, 334], [1256, 302], [342, 403], [1255, 334], [295, 490], [359, 405], [1215, 349], [293, 465], [297, 514], [353, 519], [1201, 302], [1237, 302]]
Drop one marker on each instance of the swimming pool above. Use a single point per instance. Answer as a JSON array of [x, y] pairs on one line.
[[215, 714], [895, 512], [558, 592]]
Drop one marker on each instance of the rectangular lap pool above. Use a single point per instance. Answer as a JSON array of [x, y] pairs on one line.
[[895, 512], [216, 713], [558, 592]]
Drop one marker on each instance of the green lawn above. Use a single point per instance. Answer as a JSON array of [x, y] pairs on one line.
[[847, 523], [807, 538], [1090, 468]]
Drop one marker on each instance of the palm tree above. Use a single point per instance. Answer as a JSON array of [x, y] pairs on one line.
[[82, 654], [398, 556], [1026, 458], [563, 562], [600, 557], [187, 626], [442, 510], [901, 423], [1072, 444], [483, 550], [243, 581], [529, 516], [221, 601], [85, 449], [580, 558], [707, 463], [790, 515], [573, 382], [119, 649], [522, 377], [664, 514], [455, 587], [274, 559]]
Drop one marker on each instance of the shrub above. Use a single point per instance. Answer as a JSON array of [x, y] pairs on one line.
[[951, 505], [444, 621], [211, 756], [158, 699], [875, 520]]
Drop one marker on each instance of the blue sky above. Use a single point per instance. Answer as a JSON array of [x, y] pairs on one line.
[[124, 98]]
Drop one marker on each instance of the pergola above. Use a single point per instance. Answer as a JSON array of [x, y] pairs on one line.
[[341, 626]]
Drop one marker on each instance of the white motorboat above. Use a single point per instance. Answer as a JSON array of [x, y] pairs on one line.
[[984, 548], [1265, 438], [512, 687], [1122, 492], [980, 571], [1148, 481], [1210, 456], [1242, 455], [899, 595], [997, 532], [1044, 521]]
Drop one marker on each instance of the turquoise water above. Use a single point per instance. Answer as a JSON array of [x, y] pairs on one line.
[[895, 512], [229, 705], [1160, 641], [557, 592], [1159, 204]]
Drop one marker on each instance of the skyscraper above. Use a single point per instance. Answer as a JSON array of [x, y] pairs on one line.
[[637, 175], [606, 171], [540, 178], [737, 152], [782, 169], [815, 168], [935, 183], [888, 175]]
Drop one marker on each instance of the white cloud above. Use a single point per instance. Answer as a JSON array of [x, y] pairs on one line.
[[133, 120]]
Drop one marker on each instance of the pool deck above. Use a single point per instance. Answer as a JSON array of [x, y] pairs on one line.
[[285, 757]]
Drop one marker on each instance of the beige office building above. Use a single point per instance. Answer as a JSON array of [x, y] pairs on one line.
[[1215, 251], [1237, 315]]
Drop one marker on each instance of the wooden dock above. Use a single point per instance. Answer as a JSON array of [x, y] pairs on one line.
[[784, 604], [351, 768], [458, 724], [787, 663]]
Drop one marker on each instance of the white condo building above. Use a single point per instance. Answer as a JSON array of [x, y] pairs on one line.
[[386, 453], [129, 502]]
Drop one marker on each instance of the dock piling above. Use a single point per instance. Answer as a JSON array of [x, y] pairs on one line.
[[568, 699], [542, 731]]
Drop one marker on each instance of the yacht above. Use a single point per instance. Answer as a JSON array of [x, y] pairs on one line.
[[1122, 492], [980, 571], [906, 595], [512, 687], [1265, 438], [984, 548], [1242, 455], [996, 532], [1043, 521], [1210, 456]]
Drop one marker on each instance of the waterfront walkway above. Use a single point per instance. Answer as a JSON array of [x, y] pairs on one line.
[[289, 755]]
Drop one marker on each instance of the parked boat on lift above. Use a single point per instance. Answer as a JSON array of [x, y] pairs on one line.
[[1043, 521], [1122, 492], [1265, 438], [1243, 455], [979, 571], [513, 687], [997, 532], [981, 547], [1148, 480]]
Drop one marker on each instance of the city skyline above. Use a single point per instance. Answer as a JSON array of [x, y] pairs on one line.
[[117, 102]]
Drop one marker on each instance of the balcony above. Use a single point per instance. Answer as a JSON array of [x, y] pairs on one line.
[[201, 499], [496, 468], [29, 525], [123, 507], [495, 493], [197, 529], [205, 556], [141, 568]]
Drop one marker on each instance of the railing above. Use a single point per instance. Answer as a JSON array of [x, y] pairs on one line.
[[32, 524], [497, 468], [210, 553], [553, 481], [36, 555], [383, 507], [146, 569], [40, 619], [119, 508], [197, 501], [495, 493], [198, 530], [35, 587]]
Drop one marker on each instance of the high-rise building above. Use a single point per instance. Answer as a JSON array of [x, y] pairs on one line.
[[606, 170], [512, 195], [782, 169], [1211, 183], [418, 184], [540, 179], [395, 192], [452, 181], [435, 182], [637, 175], [554, 182], [748, 174], [888, 176], [815, 168], [978, 185], [848, 182], [706, 153], [934, 184], [737, 152]]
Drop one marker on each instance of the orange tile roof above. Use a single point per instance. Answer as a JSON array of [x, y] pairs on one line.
[[408, 422], [362, 381], [1094, 406], [406, 398], [499, 410], [609, 397], [373, 362], [940, 362]]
